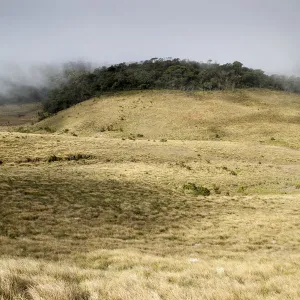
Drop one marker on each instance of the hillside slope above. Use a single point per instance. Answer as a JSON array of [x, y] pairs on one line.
[[252, 115]]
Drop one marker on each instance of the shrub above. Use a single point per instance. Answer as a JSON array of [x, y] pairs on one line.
[[43, 115], [196, 189], [29, 160], [182, 164], [110, 127], [217, 189], [47, 129], [23, 130], [241, 189], [53, 158], [131, 137], [78, 156]]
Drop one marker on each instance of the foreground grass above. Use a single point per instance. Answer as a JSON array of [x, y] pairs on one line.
[[115, 274]]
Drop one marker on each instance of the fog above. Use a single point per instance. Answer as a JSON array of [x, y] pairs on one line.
[[37, 74], [37, 37]]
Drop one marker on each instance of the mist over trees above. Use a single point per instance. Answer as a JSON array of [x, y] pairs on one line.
[[25, 86], [76, 82]]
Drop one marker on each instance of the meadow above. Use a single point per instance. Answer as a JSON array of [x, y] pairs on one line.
[[105, 200]]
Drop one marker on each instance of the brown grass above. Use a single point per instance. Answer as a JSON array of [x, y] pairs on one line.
[[114, 221]]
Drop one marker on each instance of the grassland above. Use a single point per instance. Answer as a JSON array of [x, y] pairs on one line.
[[93, 204]]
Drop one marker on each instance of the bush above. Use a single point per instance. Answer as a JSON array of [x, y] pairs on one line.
[[241, 189], [217, 189], [196, 189], [29, 160], [47, 129], [70, 157], [23, 130], [43, 115], [53, 158], [131, 137], [78, 156]]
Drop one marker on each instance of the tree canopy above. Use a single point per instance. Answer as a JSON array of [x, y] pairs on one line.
[[79, 82]]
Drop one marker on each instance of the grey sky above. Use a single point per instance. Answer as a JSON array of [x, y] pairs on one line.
[[260, 33]]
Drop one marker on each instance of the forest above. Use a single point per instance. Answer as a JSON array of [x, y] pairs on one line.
[[78, 81]]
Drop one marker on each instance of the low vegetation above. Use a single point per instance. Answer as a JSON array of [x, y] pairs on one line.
[[127, 275], [196, 189], [121, 215]]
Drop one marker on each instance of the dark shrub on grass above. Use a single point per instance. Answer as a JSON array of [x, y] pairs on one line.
[[78, 156], [196, 189], [53, 158]]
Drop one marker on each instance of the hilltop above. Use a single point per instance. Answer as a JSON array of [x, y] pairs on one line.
[[63, 86]]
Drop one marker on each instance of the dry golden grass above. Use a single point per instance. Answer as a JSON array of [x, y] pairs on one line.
[[126, 275], [243, 115], [95, 216]]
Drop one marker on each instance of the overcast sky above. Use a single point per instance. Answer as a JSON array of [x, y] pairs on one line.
[[262, 34]]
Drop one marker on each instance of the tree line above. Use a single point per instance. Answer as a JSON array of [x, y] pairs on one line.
[[78, 82]]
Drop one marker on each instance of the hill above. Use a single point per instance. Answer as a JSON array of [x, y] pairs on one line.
[[243, 115], [154, 195], [171, 74], [60, 87]]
